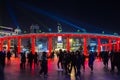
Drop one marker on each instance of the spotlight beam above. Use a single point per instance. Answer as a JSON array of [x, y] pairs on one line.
[[38, 21], [10, 11], [50, 15]]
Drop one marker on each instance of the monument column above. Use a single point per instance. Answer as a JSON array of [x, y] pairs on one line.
[[85, 45], [33, 45], [8, 44], [19, 45], [68, 43], [99, 48], [49, 45], [1, 44]]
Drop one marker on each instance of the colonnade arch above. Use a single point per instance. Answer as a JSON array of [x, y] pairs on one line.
[[50, 37]]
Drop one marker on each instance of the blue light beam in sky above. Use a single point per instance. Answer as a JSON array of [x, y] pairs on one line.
[[50, 15], [10, 11]]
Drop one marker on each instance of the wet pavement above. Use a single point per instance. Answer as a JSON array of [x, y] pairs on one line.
[[12, 71]]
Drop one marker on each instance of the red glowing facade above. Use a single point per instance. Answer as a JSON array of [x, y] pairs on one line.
[[67, 35]]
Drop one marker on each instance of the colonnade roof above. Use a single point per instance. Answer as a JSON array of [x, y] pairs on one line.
[[89, 35]]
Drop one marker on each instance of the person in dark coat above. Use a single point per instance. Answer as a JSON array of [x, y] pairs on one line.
[[35, 59], [9, 56], [91, 60], [118, 64], [105, 58], [2, 60], [112, 56], [23, 60], [66, 62], [116, 61], [30, 59], [83, 60], [73, 62], [52, 55], [44, 65], [2, 65], [60, 59], [78, 62]]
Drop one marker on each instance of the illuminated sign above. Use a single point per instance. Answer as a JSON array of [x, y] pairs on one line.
[[59, 39]]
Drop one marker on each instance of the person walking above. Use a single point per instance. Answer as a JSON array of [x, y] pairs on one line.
[[44, 65], [35, 59], [23, 60], [73, 62], [83, 60], [91, 61], [9, 56], [60, 59], [78, 63], [30, 59], [2, 60]]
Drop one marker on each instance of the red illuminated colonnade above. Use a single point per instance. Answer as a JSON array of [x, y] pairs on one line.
[[67, 35]]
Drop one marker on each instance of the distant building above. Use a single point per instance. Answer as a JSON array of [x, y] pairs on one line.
[[7, 31], [17, 31], [34, 28]]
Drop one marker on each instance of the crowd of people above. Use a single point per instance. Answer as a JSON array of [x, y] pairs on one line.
[[35, 59], [74, 60], [3, 56], [30, 59], [66, 60], [114, 57]]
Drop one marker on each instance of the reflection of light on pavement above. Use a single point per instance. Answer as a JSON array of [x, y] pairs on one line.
[[16, 73]]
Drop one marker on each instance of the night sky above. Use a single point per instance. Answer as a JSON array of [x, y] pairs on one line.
[[94, 16]]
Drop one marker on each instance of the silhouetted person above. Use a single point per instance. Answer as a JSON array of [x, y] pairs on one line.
[[66, 62], [35, 59], [2, 64], [83, 60], [78, 62], [118, 63], [105, 58], [30, 59], [1, 70], [112, 59], [2, 60], [73, 62], [52, 55], [60, 59], [23, 60], [9, 56], [44, 65], [91, 60]]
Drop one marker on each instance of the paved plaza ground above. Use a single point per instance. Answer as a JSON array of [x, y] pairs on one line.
[[12, 71]]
